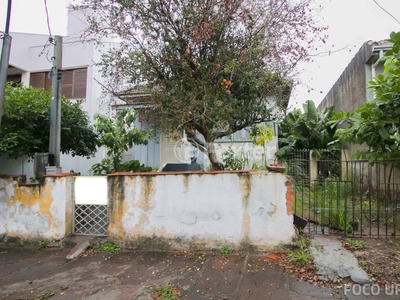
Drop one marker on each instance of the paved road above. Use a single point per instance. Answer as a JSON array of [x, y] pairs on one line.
[[25, 274]]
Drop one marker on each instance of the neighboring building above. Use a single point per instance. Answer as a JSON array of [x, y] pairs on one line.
[[351, 89], [30, 63]]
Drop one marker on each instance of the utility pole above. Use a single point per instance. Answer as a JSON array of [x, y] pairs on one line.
[[5, 56], [55, 111]]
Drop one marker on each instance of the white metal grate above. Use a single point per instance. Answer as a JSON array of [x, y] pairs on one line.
[[90, 207], [90, 219]]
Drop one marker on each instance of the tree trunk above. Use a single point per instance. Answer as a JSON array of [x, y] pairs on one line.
[[206, 147], [215, 163]]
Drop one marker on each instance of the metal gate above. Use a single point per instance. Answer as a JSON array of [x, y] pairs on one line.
[[90, 206], [355, 198]]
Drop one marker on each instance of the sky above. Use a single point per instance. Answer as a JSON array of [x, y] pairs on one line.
[[29, 16], [350, 22]]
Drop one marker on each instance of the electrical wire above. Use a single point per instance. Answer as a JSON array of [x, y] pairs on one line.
[[386, 11], [46, 48], [47, 17]]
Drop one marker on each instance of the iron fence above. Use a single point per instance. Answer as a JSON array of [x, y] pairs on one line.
[[355, 198]]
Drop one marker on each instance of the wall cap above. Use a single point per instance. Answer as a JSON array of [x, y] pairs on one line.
[[182, 173]]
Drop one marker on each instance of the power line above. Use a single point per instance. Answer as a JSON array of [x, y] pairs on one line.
[[47, 17], [386, 11]]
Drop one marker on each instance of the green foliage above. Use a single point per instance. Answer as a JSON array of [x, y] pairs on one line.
[[355, 244], [106, 247], [106, 167], [225, 250], [363, 264], [41, 244], [301, 243], [25, 124], [45, 295], [232, 160], [118, 135], [301, 254], [167, 292], [307, 130], [377, 123], [300, 257], [209, 68], [261, 134]]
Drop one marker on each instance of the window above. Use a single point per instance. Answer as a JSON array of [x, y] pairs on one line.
[[73, 85], [14, 79]]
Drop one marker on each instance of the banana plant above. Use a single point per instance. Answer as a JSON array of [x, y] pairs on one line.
[[307, 130]]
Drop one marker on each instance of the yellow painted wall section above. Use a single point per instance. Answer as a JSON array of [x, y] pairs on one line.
[[147, 184], [33, 195], [245, 180], [116, 208]]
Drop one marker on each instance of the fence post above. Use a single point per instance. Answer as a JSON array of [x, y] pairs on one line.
[[313, 167], [344, 158]]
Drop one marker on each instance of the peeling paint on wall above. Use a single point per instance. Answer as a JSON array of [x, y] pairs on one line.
[[213, 209], [116, 208], [35, 211], [273, 211], [147, 190], [289, 196]]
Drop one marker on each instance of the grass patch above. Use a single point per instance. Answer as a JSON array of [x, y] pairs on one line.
[[300, 255], [363, 265], [42, 244], [45, 295], [354, 244], [225, 250], [106, 247], [168, 291]]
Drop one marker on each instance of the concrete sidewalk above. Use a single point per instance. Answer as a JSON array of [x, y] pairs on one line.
[[25, 274]]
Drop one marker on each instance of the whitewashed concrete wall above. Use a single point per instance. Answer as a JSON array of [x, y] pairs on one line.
[[201, 210], [33, 211]]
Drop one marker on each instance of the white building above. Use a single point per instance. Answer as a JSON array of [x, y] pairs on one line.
[[30, 63]]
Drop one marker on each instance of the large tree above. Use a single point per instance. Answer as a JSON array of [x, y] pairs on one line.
[[209, 66], [25, 124]]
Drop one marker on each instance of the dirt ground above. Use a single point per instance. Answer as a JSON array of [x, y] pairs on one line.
[[380, 258]]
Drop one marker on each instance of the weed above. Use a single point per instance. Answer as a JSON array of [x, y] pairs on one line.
[[300, 257], [355, 244], [45, 295], [363, 264], [167, 292], [301, 243], [107, 247], [396, 272], [225, 250], [376, 272], [42, 244]]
